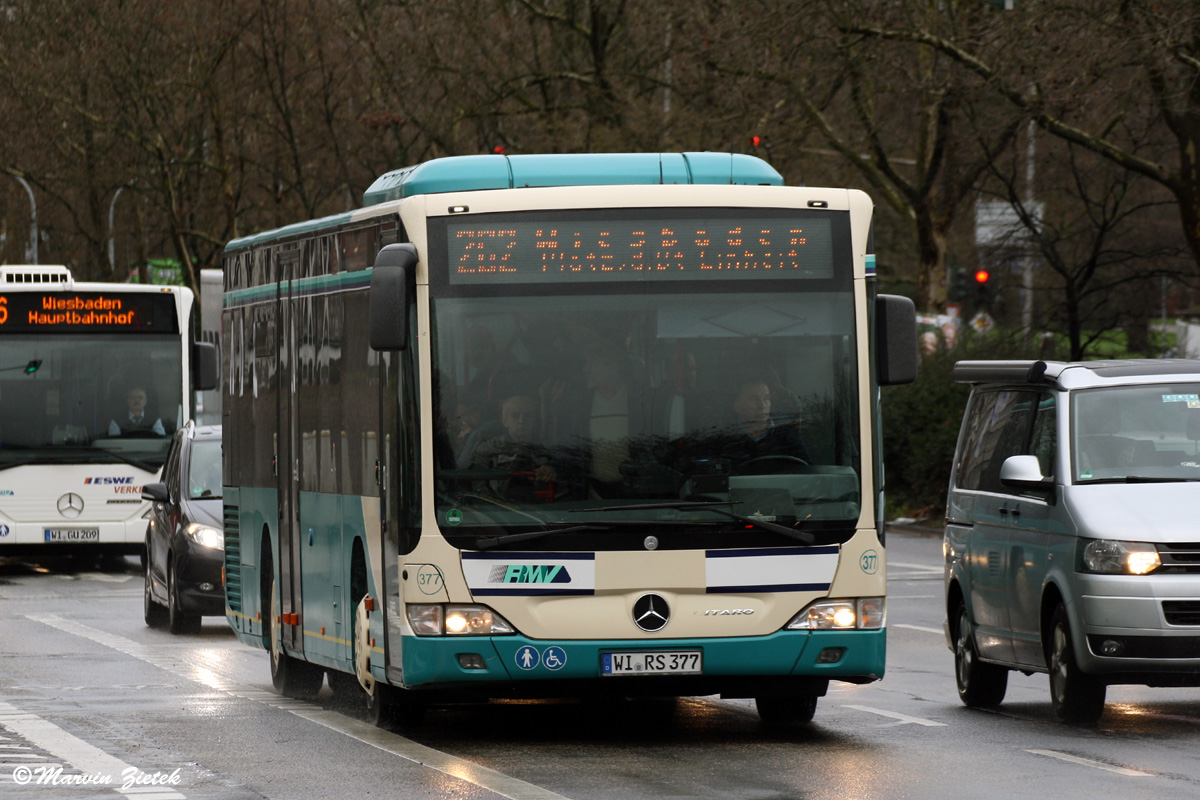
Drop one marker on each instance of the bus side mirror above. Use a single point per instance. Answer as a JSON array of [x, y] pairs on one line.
[[205, 371], [896, 340], [392, 279]]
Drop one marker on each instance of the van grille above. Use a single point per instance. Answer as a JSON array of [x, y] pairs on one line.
[[1181, 612], [1179, 556], [233, 559]]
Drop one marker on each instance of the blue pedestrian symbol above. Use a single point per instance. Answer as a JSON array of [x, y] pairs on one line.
[[555, 658], [528, 657]]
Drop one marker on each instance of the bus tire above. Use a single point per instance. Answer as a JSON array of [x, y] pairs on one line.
[[391, 708], [781, 711], [290, 676]]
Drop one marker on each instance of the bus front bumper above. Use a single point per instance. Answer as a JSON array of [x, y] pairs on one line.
[[782, 663]]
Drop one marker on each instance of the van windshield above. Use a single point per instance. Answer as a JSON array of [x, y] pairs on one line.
[[1136, 433]]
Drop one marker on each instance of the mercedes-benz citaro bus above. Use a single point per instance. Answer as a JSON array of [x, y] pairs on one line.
[[562, 425], [94, 378]]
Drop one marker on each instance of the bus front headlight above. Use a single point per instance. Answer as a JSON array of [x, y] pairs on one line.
[[441, 619], [865, 613]]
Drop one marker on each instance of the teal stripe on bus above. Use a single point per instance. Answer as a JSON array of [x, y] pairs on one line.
[[301, 287]]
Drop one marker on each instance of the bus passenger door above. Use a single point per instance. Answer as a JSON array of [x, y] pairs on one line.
[[287, 463]]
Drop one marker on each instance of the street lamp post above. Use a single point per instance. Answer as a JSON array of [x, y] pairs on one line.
[[31, 251], [112, 207]]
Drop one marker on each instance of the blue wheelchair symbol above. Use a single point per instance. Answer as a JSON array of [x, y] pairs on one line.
[[528, 657], [555, 658]]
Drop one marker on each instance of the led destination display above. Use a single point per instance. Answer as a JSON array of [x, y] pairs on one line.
[[87, 312], [740, 247]]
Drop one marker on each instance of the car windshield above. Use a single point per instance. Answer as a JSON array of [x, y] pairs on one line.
[[102, 399], [204, 470], [617, 416], [1136, 433]]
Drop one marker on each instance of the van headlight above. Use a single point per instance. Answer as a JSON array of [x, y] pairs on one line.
[[865, 613], [1112, 557], [441, 619]]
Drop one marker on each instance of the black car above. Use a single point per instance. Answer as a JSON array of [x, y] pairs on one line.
[[185, 540]]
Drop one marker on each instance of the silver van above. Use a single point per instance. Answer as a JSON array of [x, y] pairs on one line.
[[1072, 536]]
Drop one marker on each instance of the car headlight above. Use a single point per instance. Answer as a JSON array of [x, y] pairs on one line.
[[439, 619], [865, 613], [1112, 557], [205, 536]]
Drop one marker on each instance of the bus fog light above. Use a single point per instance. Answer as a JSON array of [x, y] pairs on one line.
[[471, 661], [831, 655]]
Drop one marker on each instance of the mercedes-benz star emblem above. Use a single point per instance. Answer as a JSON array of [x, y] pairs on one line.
[[651, 612], [70, 505]]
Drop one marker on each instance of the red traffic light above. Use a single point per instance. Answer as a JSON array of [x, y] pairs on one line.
[[981, 276], [756, 141]]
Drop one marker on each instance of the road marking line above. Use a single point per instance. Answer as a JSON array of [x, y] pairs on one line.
[[1087, 762], [469, 771], [904, 718], [89, 759], [938, 631], [919, 567]]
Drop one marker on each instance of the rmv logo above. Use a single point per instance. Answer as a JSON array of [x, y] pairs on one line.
[[530, 573], [107, 481]]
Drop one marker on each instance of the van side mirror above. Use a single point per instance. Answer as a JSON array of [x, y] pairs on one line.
[[1024, 472], [206, 372], [392, 279], [895, 340]]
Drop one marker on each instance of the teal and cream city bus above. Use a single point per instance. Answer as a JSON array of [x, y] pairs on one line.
[[562, 425]]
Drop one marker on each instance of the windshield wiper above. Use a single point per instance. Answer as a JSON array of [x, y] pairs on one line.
[[801, 536], [488, 542]]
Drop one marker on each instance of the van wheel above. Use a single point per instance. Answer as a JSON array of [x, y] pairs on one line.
[[980, 685], [1076, 697], [290, 676]]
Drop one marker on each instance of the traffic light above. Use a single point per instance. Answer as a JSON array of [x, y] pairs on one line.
[[957, 291], [983, 288]]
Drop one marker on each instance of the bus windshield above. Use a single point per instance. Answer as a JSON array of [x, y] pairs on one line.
[[626, 420], [99, 399]]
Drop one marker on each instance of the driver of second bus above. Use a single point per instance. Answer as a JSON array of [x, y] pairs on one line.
[[136, 419], [756, 434], [530, 474]]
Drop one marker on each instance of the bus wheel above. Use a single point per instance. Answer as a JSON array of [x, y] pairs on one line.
[[391, 708], [290, 676], [154, 613], [780, 711], [1076, 697]]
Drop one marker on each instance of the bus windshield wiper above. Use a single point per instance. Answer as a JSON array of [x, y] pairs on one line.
[[488, 542], [685, 505]]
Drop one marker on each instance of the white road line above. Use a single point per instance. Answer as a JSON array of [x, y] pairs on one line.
[[938, 631], [917, 567], [903, 718], [1087, 762], [89, 759], [481, 776]]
